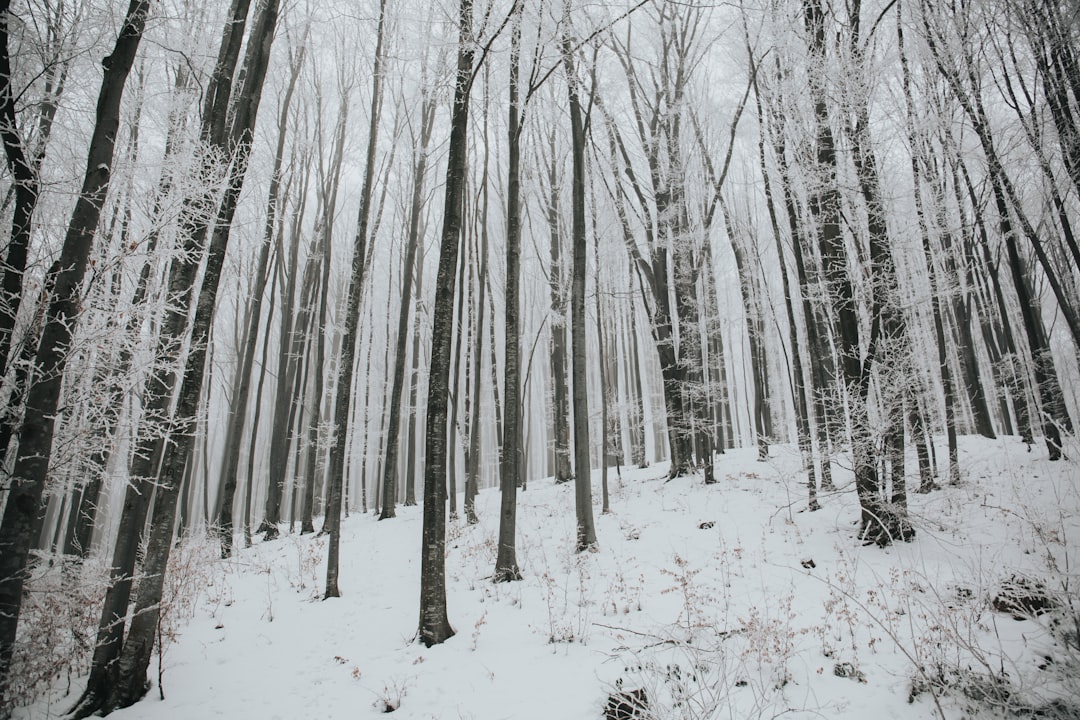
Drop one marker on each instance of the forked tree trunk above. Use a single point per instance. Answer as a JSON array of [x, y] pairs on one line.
[[825, 209]]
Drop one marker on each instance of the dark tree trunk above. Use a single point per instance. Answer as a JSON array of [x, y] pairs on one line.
[[135, 658], [890, 344], [412, 267], [20, 523], [434, 626], [825, 209], [506, 567], [556, 276], [238, 409], [586, 530], [343, 400], [26, 185]]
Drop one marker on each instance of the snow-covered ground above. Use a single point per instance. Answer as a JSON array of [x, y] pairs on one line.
[[728, 601]]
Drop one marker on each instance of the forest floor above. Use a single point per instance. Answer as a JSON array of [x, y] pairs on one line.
[[727, 601]]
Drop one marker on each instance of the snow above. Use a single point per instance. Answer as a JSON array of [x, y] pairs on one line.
[[728, 601]]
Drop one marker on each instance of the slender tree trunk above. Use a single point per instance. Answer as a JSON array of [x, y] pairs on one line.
[[556, 278], [328, 192], [472, 465], [586, 531], [798, 384], [506, 567], [460, 336], [637, 393], [412, 243], [601, 353], [292, 333], [253, 439], [343, 401], [752, 311], [414, 380]]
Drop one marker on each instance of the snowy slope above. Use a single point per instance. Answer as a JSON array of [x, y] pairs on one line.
[[727, 601]]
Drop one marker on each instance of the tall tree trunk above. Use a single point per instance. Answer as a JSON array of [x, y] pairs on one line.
[[343, 400], [291, 338], [254, 437], [414, 380], [238, 409], [798, 384], [506, 567], [556, 279], [131, 683], [460, 338], [752, 311], [434, 625], [636, 392], [413, 241], [328, 192], [472, 455], [20, 519], [586, 530], [825, 209], [601, 353], [26, 185]]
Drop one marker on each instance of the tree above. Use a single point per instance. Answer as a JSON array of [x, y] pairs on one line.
[[20, 523], [411, 269], [586, 530], [434, 624], [343, 401], [506, 567], [238, 411], [130, 684]]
